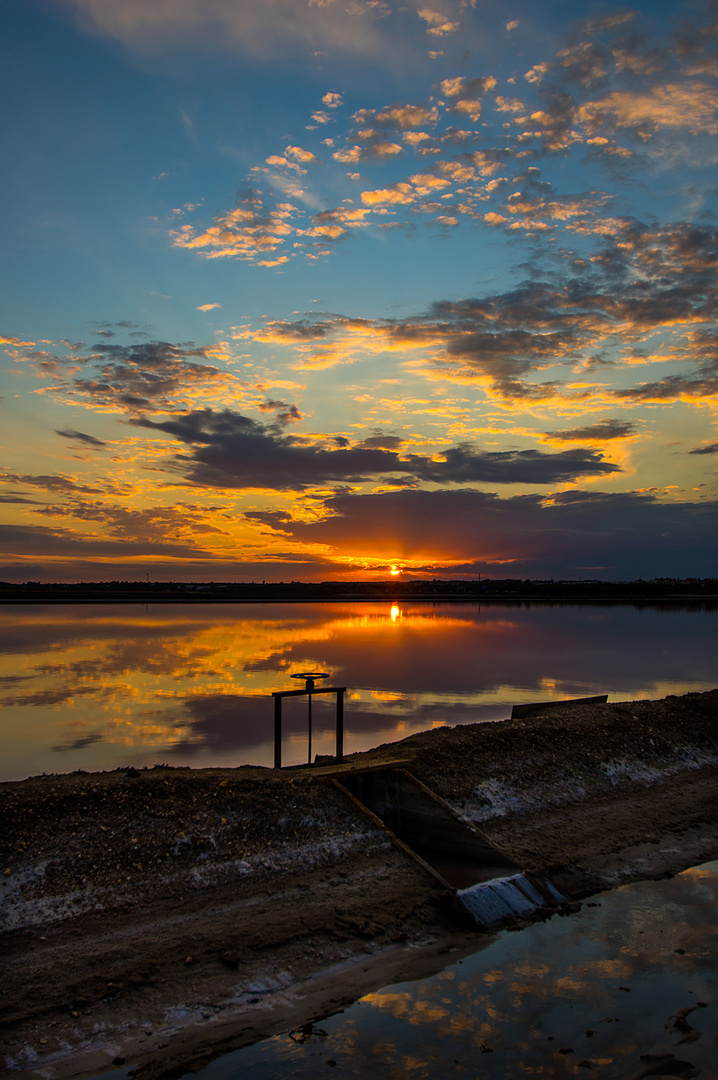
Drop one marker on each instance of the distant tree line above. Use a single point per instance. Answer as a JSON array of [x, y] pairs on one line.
[[406, 589]]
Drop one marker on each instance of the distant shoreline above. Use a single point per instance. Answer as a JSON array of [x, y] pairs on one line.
[[420, 590]]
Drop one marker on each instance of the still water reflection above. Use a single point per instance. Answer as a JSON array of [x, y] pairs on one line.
[[626, 988], [97, 687]]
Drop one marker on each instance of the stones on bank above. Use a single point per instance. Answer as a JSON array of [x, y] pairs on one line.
[[136, 897]]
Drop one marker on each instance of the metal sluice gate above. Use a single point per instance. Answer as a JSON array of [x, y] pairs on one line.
[[309, 691], [486, 885]]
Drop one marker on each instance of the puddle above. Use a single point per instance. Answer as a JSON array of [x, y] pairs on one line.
[[625, 988]]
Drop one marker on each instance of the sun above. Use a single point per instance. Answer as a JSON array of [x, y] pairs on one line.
[[395, 570]]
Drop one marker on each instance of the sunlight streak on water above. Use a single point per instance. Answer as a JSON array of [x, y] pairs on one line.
[[99, 687]]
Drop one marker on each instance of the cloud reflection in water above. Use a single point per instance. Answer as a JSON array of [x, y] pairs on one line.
[[108, 686], [604, 993]]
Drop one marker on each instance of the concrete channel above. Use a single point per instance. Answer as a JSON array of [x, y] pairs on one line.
[[487, 887]]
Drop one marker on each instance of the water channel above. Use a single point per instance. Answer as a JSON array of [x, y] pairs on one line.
[[625, 988]]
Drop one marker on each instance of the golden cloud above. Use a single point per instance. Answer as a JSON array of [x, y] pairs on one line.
[[245, 233], [469, 108], [399, 194], [407, 117], [385, 149], [350, 155], [693, 106], [438, 24]]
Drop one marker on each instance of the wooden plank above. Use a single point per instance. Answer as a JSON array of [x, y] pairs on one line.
[[333, 767], [536, 707]]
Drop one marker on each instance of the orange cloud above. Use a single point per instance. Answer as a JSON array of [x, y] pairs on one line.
[[693, 106], [245, 232], [437, 24], [399, 194], [405, 117]]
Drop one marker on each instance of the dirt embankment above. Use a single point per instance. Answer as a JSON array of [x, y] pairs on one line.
[[160, 916]]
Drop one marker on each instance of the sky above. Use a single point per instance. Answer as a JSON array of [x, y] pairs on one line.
[[341, 289]]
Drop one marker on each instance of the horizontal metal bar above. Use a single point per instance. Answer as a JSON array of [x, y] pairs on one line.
[[303, 693]]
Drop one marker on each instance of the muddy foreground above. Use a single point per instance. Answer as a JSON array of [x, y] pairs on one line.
[[163, 916]]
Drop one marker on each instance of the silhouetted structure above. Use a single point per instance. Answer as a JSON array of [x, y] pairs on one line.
[[309, 690]]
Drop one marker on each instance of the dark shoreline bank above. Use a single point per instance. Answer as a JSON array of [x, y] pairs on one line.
[[668, 590], [147, 906]]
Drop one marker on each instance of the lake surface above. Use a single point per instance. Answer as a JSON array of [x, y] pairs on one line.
[[103, 686]]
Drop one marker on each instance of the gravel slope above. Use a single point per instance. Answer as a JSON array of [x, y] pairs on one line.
[[160, 916]]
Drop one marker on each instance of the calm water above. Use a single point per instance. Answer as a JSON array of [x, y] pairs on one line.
[[514, 1009], [634, 973], [97, 687]]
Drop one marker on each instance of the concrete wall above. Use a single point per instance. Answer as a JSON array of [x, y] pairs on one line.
[[422, 819]]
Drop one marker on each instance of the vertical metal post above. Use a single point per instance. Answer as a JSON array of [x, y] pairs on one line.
[[309, 689], [309, 686], [340, 726], [309, 726], [277, 732]]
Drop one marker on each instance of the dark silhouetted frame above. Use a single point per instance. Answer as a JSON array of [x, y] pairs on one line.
[[309, 691]]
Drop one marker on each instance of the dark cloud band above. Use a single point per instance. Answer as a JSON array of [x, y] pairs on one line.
[[628, 534], [233, 451]]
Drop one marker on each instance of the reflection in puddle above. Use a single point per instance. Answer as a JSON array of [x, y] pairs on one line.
[[628, 987]]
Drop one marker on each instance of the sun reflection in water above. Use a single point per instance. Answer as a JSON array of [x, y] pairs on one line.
[[93, 688]]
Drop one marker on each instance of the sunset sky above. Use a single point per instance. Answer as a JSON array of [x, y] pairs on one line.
[[312, 289]]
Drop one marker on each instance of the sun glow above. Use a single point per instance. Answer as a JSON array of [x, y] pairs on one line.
[[395, 570]]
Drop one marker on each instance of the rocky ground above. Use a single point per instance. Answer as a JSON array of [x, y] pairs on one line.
[[159, 917]]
